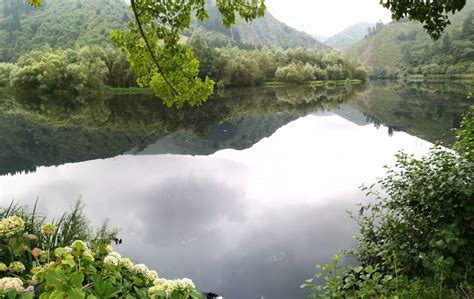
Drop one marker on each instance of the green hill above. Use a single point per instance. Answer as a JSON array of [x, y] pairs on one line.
[[58, 23], [349, 36], [404, 48]]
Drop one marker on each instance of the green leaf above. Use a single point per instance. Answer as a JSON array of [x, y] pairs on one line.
[[57, 294], [75, 293], [55, 278], [76, 279]]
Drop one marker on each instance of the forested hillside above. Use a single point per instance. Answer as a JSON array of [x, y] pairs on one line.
[[58, 23], [349, 36], [266, 31], [400, 48]]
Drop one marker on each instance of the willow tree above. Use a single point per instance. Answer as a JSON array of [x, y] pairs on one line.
[[164, 64]]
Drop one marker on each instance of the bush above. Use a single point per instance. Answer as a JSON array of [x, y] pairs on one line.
[[361, 73], [335, 72], [39, 260], [416, 239]]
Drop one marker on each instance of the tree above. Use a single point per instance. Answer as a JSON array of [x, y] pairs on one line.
[[433, 14]]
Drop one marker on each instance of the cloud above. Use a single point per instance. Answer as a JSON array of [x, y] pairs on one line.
[[326, 17]]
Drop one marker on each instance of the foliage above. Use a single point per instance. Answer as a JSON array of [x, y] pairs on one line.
[[465, 136], [88, 68], [416, 238], [238, 67], [158, 58], [433, 14], [44, 262], [58, 24]]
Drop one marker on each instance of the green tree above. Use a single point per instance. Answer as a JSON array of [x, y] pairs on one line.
[[433, 14]]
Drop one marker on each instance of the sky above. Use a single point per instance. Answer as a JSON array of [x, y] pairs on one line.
[[326, 17]]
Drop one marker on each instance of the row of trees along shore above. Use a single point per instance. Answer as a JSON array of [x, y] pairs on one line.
[[94, 67]]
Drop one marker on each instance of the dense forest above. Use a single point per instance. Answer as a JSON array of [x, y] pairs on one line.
[[403, 48]]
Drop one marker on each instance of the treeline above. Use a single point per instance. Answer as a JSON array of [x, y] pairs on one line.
[[88, 68], [231, 66], [94, 67], [452, 54]]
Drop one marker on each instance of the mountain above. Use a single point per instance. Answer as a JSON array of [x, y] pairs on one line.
[[405, 48], [75, 23], [58, 23], [266, 31], [349, 36]]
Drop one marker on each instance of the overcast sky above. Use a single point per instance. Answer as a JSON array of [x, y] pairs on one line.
[[326, 17]]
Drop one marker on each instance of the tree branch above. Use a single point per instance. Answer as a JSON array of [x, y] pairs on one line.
[[142, 32]]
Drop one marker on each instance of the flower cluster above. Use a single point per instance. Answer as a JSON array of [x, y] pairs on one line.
[[3, 267], [9, 283], [48, 229], [140, 269], [113, 258], [183, 286], [16, 267], [126, 263], [11, 226]]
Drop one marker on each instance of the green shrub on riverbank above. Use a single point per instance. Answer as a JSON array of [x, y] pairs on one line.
[[49, 260], [417, 234]]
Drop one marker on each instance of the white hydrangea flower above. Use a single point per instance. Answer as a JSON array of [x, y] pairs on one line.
[[126, 263], [152, 275], [109, 248], [111, 260], [115, 254], [140, 269], [11, 283], [185, 284], [67, 249], [11, 226]]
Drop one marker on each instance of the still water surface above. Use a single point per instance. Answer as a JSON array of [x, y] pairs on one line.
[[244, 195]]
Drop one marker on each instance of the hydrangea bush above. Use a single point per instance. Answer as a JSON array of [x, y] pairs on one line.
[[33, 266]]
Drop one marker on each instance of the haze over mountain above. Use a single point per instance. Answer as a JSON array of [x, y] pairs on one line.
[[349, 36], [266, 31]]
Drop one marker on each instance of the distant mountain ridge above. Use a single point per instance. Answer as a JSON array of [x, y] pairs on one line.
[[349, 36], [266, 31]]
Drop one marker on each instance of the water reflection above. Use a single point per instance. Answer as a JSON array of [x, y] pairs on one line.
[[42, 130], [427, 110], [242, 223]]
